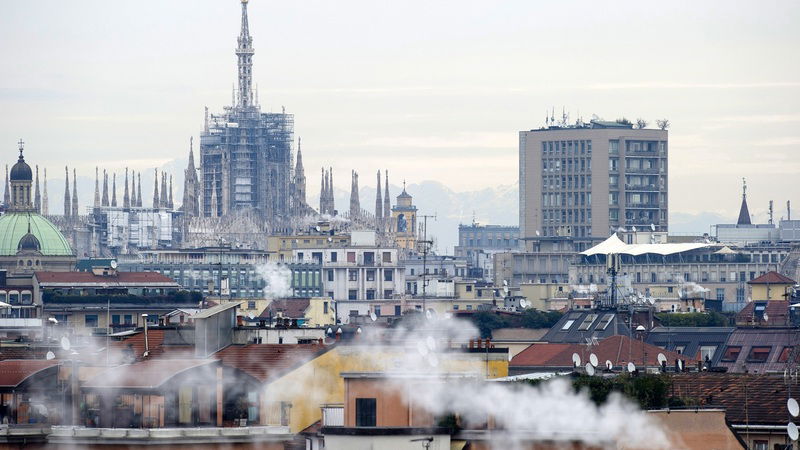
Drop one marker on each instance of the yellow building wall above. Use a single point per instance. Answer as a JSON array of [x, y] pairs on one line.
[[768, 291], [462, 292], [316, 315], [537, 294], [319, 381]]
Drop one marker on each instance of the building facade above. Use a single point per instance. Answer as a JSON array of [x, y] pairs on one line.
[[479, 243], [588, 180]]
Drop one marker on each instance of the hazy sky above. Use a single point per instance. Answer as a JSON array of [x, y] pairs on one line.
[[428, 89]]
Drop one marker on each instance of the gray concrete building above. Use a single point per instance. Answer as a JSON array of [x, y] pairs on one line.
[[589, 179]]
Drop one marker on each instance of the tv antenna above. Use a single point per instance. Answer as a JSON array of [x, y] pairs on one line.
[[425, 249]]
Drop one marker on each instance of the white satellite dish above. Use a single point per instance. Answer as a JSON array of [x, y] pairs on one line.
[[430, 342], [113, 263], [422, 349], [652, 227], [661, 358], [538, 233], [794, 408], [609, 365], [51, 355], [329, 331], [766, 317], [576, 359], [593, 360], [680, 364], [358, 330], [373, 316], [523, 303], [791, 429], [317, 228], [428, 314], [633, 229], [65, 344], [339, 330], [631, 367], [589, 369]]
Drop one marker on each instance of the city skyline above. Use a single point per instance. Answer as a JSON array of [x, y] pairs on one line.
[[100, 81]]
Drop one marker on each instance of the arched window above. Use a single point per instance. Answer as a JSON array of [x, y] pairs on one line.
[[30, 263]]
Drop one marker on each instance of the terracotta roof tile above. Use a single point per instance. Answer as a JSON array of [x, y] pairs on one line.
[[616, 349], [268, 361], [772, 278], [777, 313], [15, 371], [290, 308], [148, 374]]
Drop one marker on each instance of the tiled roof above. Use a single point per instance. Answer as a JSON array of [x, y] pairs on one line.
[[691, 339], [753, 399], [268, 361], [772, 278], [772, 339], [15, 371], [155, 342], [290, 308], [777, 313], [88, 278], [605, 324], [148, 374], [618, 349], [519, 334]]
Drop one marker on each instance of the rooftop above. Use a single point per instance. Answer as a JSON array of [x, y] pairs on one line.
[[15, 371], [120, 279], [615, 245], [772, 278], [150, 374], [290, 308], [268, 361]]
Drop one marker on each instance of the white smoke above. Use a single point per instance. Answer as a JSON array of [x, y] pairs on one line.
[[278, 278]]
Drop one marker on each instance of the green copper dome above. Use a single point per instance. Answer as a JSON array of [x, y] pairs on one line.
[[13, 226]]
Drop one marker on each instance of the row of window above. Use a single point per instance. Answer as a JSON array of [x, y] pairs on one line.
[[366, 258], [570, 165], [668, 277], [352, 274], [567, 147], [352, 294], [566, 199]]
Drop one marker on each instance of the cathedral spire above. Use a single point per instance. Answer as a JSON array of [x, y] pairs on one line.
[[104, 202], [96, 187], [321, 191], [114, 189], [378, 202], [37, 199], [156, 198], [170, 205], [139, 189], [164, 202], [126, 196], [214, 208], [244, 53], [74, 194], [67, 206], [190, 186], [355, 202], [45, 207], [744, 212]]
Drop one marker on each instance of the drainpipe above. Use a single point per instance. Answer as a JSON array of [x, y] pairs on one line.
[[146, 343]]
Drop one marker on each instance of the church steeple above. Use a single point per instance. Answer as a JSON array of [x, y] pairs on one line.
[[355, 202], [67, 203], [74, 194], [244, 53], [378, 203], [744, 212]]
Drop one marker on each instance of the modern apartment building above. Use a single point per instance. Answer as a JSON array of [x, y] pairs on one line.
[[589, 179]]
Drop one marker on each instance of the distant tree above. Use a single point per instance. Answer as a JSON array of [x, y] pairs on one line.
[[648, 391], [662, 123], [641, 124], [704, 319], [532, 318], [624, 121], [487, 321]]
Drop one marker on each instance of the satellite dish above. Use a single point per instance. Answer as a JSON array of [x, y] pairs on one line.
[[358, 330], [538, 233], [523, 303], [633, 229], [794, 408], [593, 360], [251, 316], [317, 228], [113, 263], [430, 342], [51, 355], [680, 364], [609, 366], [589, 369], [65, 344], [661, 358], [329, 331], [631, 367], [766, 317], [330, 239], [428, 314], [652, 227], [791, 429], [422, 349], [339, 330], [576, 359], [373, 316]]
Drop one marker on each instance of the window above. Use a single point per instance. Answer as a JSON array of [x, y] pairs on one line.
[[707, 352], [325, 307], [251, 304], [330, 274], [455, 307], [352, 294], [128, 319], [761, 445], [469, 307], [604, 322], [334, 256], [396, 310], [469, 288], [759, 354], [388, 293], [679, 349], [567, 325], [784, 356], [388, 275], [352, 274], [370, 294], [369, 258], [90, 321], [587, 322], [351, 257], [371, 275], [365, 412], [739, 295], [378, 310], [731, 353], [387, 257], [721, 294], [115, 319]]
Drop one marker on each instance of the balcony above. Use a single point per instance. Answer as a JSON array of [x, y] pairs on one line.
[[333, 415], [642, 187], [650, 170], [76, 435]]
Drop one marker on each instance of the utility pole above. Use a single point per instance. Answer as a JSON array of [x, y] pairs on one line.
[[425, 248]]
